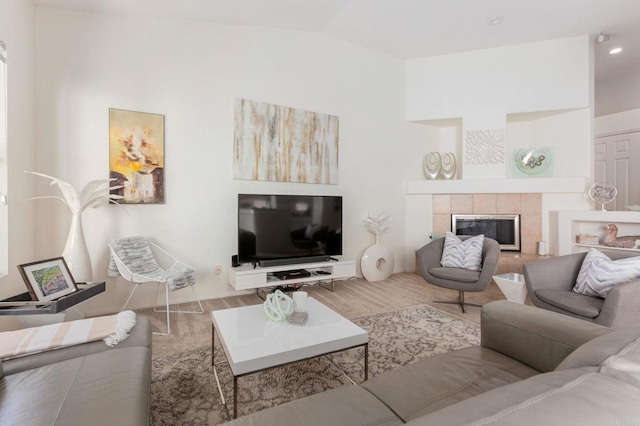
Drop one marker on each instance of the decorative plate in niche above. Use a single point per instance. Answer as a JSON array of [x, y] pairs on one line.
[[533, 161]]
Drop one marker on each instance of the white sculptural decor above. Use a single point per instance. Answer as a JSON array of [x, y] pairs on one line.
[[432, 165], [377, 260], [449, 165], [439, 166], [75, 251]]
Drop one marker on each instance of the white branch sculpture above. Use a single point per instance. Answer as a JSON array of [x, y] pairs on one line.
[[93, 193], [75, 252], [378, 224]]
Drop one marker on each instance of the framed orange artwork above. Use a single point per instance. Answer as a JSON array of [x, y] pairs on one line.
[[136, 156]]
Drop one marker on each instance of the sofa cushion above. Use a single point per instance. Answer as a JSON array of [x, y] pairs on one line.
[[625, 365], [348, 405], [578, 396], [599, 273], [536, 337], [465, 254], [596, 351], [579, 304], [105, 388], [140, 335], [431, 384]]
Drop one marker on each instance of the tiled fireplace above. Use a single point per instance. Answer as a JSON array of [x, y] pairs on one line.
[[528, 206]]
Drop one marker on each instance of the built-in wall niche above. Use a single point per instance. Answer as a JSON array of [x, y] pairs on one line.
[[445, 136], [566, 131], [570, 224]]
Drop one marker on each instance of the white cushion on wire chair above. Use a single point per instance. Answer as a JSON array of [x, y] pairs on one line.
[[140, 265]]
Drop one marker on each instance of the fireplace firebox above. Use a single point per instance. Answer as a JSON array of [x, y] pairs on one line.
[[504, 228]]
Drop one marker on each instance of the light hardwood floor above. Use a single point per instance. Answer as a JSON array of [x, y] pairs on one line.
[[352, 298]]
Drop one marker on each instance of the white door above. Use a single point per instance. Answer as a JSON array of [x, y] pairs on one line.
[[617, 160]]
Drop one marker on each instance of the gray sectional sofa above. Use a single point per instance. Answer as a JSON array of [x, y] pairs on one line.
[[89, 384], [533, 367]]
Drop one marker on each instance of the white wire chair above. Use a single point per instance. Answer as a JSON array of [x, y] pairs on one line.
[[140, 261]]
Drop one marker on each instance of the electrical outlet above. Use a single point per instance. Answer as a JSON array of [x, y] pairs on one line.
[[218, 269]]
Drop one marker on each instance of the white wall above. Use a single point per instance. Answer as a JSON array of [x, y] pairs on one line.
[[617, 122], [17, 30], [542, 91], [544, 76], [617, 94], [191, 72]]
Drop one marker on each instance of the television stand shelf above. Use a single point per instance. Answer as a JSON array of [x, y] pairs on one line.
[[246, 277]]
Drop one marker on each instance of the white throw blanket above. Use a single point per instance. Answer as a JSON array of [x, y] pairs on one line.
[[113, 329]]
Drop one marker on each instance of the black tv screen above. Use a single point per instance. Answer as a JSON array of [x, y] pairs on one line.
[[288, 226]]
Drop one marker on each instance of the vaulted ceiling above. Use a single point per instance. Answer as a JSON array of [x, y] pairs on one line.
[[416, 28]]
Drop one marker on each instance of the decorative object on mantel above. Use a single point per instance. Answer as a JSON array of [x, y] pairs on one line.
[[283, 144], [377, 260], [633, 208], [603, 192], [76, 253], [136, 156], [485, 146], [439, 166], [449, 165], [612, 239], [432, 165], [533, 162]]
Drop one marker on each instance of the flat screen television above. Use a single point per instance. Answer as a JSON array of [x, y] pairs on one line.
[[274, 229]]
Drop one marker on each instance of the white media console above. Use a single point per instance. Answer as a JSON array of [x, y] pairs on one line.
[[246, 277]]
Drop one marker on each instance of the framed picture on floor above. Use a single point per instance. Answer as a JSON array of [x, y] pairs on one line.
[[136, 156], [48, 279]]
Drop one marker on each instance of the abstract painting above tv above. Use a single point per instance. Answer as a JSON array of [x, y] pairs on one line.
[[282, 144], [136, 156]]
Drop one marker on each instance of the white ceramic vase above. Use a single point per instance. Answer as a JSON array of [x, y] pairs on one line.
[[448, 170], [76, 253], [377, 262], [432, 165]]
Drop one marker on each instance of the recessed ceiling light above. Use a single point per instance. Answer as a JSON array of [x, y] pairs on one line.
[[615, 50], [495, 20]]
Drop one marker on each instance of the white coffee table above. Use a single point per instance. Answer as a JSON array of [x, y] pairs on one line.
[[513, 286], [253, 343]]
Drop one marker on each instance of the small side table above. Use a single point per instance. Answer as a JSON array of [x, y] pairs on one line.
[[513, 286], [32, 316]]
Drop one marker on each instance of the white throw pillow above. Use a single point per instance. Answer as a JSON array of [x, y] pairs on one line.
[[465, 254], [598, 273]]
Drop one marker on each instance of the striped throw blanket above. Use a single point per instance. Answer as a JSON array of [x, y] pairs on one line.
[[112, 329]]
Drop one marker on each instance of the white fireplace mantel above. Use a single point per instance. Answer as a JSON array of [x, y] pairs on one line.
[[487, 186]]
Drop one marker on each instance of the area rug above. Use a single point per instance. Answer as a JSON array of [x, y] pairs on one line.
[[184, 392]]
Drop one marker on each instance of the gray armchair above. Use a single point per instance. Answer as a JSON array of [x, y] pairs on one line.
[[428, 260], [550, 283]]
